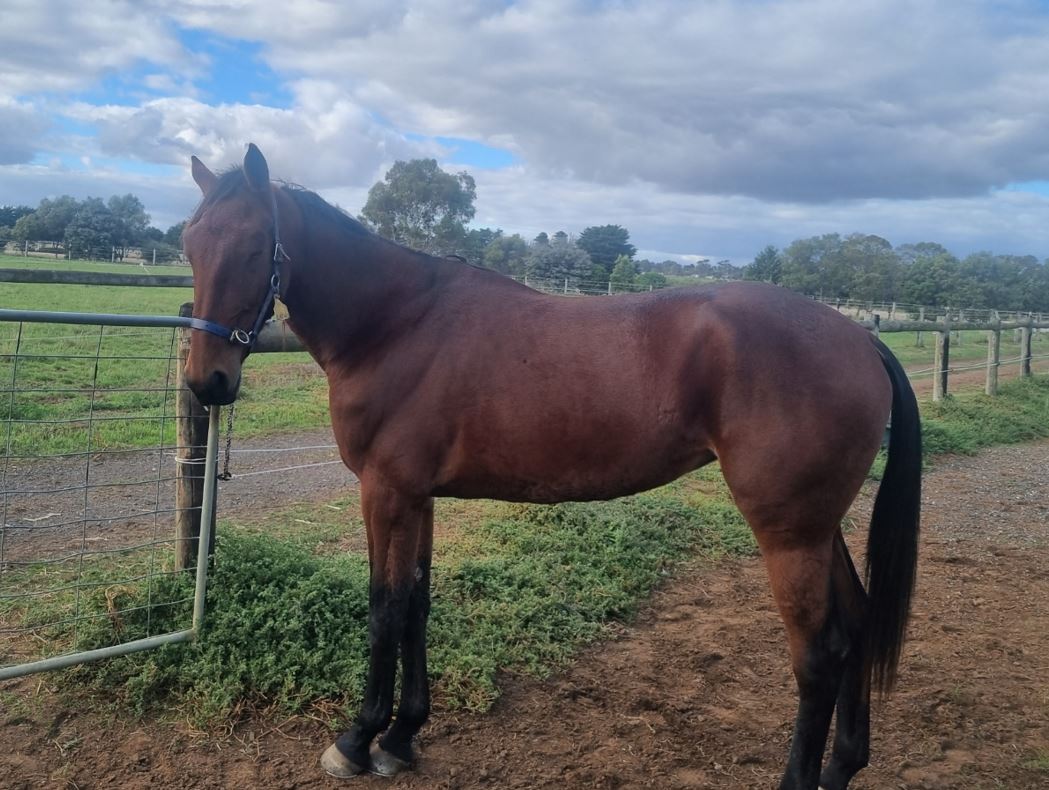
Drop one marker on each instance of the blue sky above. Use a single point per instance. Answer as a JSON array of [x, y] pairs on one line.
[[707, 128]]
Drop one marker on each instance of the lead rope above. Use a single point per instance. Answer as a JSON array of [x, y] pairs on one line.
[[226, 473]]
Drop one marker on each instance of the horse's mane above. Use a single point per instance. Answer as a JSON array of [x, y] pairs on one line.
[[232, 181]]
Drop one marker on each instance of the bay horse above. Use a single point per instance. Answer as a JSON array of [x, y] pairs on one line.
[[449, 380]]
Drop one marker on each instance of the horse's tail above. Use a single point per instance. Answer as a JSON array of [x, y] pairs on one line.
[[892, 545]]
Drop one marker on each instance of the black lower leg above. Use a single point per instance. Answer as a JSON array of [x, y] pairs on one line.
[[819, 679], [852, 732], [386, 624], [414, 707], [852, 736]]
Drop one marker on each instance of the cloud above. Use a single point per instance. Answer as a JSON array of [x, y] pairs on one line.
[[666, 224], [710, 127], [810, 100], [21, 126], [49, 46], [324, 139]]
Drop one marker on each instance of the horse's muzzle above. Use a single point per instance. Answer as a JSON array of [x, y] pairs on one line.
[[217, 390]]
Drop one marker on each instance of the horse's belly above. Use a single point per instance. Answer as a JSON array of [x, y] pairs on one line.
[[559, 473]]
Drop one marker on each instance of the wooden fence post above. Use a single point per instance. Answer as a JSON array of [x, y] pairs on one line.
[[942, 360], [1025, 348], [191, 422], [919, 341], [994, 355]]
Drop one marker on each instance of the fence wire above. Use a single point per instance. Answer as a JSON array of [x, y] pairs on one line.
[[87, 489]]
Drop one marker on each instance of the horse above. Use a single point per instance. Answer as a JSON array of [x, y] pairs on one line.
[[451, 380]]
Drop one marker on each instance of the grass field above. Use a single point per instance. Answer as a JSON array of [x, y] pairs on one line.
[[280, 391]]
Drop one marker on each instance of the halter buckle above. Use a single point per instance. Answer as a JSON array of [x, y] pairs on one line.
[[241, 336]]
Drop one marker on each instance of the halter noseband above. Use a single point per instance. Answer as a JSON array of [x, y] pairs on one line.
[[241, 336]]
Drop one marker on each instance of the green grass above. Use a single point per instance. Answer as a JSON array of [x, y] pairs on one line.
[[279, 391], [971, 349], [517, 591], [61, 264], [968, 422]]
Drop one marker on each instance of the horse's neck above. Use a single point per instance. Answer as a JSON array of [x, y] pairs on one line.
[[351, 293]]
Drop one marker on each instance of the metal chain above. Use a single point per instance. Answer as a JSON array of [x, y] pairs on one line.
[[226, 473]]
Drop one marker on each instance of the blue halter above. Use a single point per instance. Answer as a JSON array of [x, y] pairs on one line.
[[248, 337]]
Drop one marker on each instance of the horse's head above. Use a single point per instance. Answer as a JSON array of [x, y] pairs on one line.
[[231, 242]]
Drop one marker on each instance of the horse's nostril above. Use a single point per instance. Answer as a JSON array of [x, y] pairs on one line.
[[218, 383]]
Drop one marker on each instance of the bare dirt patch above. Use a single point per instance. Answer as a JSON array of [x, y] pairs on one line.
[[695, 694]]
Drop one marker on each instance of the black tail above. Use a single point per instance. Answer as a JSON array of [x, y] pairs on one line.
[[892, 545]]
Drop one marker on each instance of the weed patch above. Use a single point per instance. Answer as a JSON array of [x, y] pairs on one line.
[[286, 626]]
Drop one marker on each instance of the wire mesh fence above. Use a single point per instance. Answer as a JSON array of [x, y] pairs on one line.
[[88, 478]]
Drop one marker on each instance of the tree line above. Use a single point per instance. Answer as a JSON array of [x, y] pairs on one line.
[[423, 207], [869, 269], [91, 228]]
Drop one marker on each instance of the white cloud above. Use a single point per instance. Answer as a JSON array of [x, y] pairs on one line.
[[49, 46], [324, 139], [709, 127], [808, 100]]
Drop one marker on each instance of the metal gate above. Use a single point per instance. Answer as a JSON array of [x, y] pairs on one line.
[[86, 420]]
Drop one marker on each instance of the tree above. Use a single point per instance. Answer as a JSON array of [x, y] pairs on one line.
[[766, 267], [814, 266], [173, 235], [724, 270], [604, 244], [151, 236], [909, 253], [9, 215], [931, 279], [49, 221], [872, 266], [130, 221], [624, 272], [507, 254], [652, 280], [28, 228], [477, 240], [421, 206], [559, 260], [91, 233]]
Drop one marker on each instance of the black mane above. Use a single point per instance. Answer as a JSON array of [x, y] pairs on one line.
[[232, 181]]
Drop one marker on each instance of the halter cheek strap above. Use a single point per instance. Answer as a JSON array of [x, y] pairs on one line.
[[248, 337]]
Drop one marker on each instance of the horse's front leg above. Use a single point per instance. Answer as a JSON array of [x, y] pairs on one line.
[[396, 525]]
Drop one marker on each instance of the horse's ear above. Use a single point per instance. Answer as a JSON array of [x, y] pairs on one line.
[[205, 178], [255, 168]]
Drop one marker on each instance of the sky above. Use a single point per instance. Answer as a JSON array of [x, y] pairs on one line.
[[707, 128]]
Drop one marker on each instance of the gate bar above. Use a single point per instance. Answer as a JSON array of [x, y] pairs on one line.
[[190, 634]]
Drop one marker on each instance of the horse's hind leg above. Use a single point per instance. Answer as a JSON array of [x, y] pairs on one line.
[[800, 572], [852, 729]]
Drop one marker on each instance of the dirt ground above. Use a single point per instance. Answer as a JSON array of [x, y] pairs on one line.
[[695, 694]]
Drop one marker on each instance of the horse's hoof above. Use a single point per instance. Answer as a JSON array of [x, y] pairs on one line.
[[337, 764], [386, 764]]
